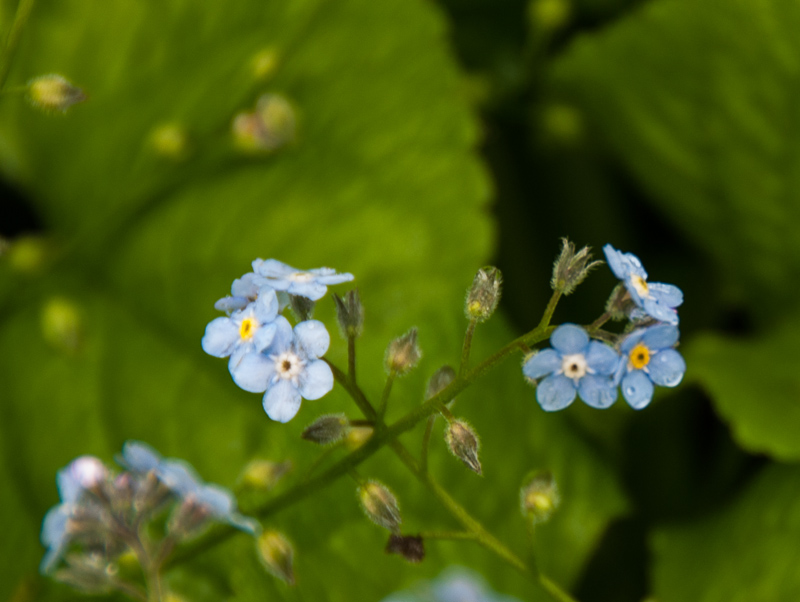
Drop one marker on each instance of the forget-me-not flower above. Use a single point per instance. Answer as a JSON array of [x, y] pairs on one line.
[[574, 366], [244, 291], [312, 284], [648, 359], [655, 299], [289, 370]]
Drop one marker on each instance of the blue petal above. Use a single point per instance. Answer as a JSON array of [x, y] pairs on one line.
[[660, 312], [83, 472], [138, 457], [244, 523], [637, 389], [661, 336], [668, 294], [602, 358], [597, 391], [54, 535], [283, 338], [282, 401], [311, 290], [334, 278], [230, 304], [179, 477], [266, 306], [622, 264], [667, 368], [569, 338], [264, 335], [317, 380], [248, 285], [253, 372], [555, 393], [218, 500], [630, 341], [220, 337], [313, 337], [272, 268], [544, 362]]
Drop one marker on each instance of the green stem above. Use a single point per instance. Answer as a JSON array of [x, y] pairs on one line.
[[24, 9], [447, 535], [351, 359], [549, 310], [426, 442], [598, 322], [387, 391], [466, 347]]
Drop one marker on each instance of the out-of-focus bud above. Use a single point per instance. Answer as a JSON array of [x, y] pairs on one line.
[[484, 295], [271, 126], [54, 93], [303, 307], [169, 140], [539, 497], [188, 519], [61, 324], [27, 254], [464, 443], [403, 353], [262, 475], [561, 124], [410, 547], [358, 436], [327, 429], [440, 379], [380, 505], [549, 14], [264, 63], [571, 268], [277, 555], [350, 313], [248, 132], [89, 573]]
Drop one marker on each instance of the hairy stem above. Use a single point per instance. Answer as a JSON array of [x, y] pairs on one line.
[[465, 349]]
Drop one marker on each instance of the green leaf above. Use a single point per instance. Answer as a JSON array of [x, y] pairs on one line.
[[755, 386], [746, 552], [700, 103]]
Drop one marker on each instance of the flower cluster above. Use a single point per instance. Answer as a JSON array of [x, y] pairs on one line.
[[576, 366], [102, 514], [268, 355]]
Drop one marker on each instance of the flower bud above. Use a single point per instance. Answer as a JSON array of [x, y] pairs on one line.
[[27, 254], [619, 302], [403, 353], [278, 117], [263, 474], [358, 436], [188, 518], [169, 140], [571, 268], [380, 505], [464, 444], [549, 14], [410, 547], [303, 307], [277, 555], [439, 381], [484, 295], [62, 324], [539, 497], [54, 93], [350, 313], [327, 429], [265, 63], [89, 573]]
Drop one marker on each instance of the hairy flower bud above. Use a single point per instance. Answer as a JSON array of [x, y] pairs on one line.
[[188, 519], [326, 429], [464, 443], [619, 303], [350, 313], [403, 353], [358, 436], [303, 307], [277, 555], [571, 268], [410, 547], [263, 475], [54, 93], [484, 295], [439, 381], [380, 505], [89, 573], [539, 497]]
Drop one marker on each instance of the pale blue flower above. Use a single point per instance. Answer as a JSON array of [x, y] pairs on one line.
[[244, 291], [81, 474], [648, 359], [655, 299], [574, 366], [55, 535], [312, 284], [289, 370]]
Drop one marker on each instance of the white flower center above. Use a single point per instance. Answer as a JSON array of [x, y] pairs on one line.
[[288, 365], [300, 277], [640, 284], [574, 366]]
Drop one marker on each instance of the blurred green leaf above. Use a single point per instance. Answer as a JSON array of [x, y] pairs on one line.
[[700, 103], [755, 386], [746, 552]]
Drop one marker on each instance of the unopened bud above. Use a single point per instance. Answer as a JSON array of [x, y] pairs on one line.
[[188, 518], [484, 295], [410, 547], [619, 303], [350, 313], [571, 268], [549, 14], [54, 93], [263, 475], [277, 555], [278, 117], [327, 429], [539, 497], [89, 573], [27, 254], [62, 324], [265, 63], [439, 381], [464, 443], [380, 505], [358, 436], [303, 307], [403, 353], [169, 140]]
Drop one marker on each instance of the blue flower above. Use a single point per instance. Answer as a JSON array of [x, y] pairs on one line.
[[82, 473], [312, 284], [655, 299], [649, 359], [55, 535], [244, 291], [575, 365], [247, 330], [289, 369]]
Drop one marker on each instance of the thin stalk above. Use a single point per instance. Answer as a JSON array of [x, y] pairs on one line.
[[351, 359], [426, 442], [447, 535], [465, 349], [387, 391], [129, 590], [24, 9], [598, 322], [549, 310]]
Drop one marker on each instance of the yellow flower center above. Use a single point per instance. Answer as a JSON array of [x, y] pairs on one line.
[[247, 328], [640, 284], [639, 356]]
